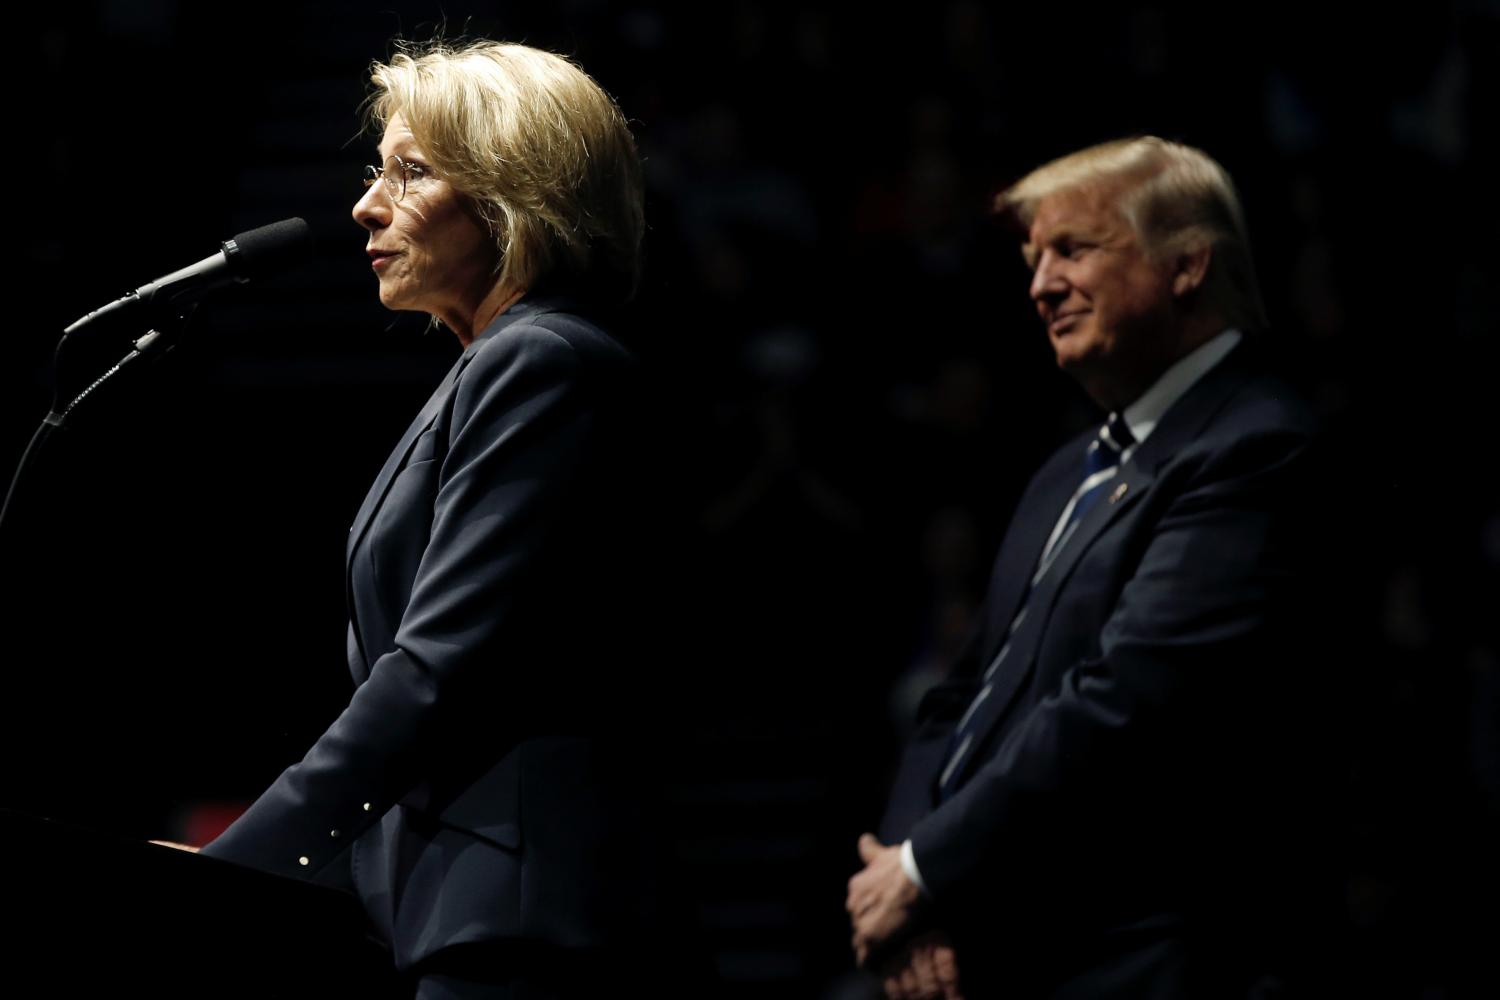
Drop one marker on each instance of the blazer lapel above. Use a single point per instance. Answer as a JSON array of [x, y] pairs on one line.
[[397, 458], [1130, 485], [529, 306], [532, 305], [1022, 548], [1183, 422]]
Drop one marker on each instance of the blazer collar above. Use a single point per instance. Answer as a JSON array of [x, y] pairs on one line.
[[1186, 418], [529, 306]]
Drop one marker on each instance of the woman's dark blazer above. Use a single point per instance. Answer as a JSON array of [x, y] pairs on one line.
[[478, 771]]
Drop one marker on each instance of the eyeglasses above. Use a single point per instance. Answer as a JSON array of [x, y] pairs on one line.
[[397, 174]]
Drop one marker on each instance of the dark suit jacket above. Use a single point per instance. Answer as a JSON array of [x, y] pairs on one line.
[[474, 771], [1119, 829]]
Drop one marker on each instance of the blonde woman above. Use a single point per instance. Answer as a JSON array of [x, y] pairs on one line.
[[473, 788]]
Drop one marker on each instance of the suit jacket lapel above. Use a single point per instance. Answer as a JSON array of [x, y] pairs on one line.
[[1183, 422], [1022, 547], [1008, 682], [397, 457], [529, 306]]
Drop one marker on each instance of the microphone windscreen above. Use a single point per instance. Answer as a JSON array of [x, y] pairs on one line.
[[271, 248]]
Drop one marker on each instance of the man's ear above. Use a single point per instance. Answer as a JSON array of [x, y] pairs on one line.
[[1190, 267]]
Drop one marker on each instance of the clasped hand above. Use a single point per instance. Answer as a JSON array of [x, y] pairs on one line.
[[883, 905]]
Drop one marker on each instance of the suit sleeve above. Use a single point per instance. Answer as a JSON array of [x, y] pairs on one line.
[[1126, 736], [521, 425]]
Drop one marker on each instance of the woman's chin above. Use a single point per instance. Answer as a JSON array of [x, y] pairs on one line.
[[392, 298]]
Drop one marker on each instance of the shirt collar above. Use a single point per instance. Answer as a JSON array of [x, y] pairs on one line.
[[1145, 413]]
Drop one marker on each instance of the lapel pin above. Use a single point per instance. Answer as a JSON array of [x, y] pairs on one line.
[[1118, 493]]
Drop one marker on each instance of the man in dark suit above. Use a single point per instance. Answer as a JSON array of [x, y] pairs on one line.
[[1093, 802]]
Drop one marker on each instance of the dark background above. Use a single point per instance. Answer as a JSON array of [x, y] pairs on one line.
[[843, 336]]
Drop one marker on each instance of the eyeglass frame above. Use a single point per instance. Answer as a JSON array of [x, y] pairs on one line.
[[404, 169]]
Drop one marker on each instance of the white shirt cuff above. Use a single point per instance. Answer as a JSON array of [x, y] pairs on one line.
[[909, 866]]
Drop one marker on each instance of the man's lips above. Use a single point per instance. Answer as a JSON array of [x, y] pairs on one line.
[[379, 258], [1060, 322]]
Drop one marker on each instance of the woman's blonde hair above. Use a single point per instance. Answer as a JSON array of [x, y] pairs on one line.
[[1175, 197], [540, 150]]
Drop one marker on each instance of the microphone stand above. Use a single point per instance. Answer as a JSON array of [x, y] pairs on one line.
[[153, 344]]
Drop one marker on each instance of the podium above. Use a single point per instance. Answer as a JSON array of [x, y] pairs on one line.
[[91, 914]]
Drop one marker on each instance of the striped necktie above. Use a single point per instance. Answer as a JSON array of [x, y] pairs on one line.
[[1100, 464]]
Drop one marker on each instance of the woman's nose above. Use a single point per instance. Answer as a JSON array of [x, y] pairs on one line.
[[373, 210]]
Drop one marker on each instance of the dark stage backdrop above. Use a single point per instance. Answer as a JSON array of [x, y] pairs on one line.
[[843, 340]]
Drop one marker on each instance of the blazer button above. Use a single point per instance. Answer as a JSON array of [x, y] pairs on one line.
[[333, 833], [302, 861], [367, 807]]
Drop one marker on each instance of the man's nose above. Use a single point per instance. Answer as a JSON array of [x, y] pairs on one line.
[[1047, 281]]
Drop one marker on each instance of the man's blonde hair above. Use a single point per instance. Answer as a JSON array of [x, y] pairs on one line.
[[1175, 197], [540, 150]]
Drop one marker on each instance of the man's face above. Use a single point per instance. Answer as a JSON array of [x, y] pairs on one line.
[[1106, 304]]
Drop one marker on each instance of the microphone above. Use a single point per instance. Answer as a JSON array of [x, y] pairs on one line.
[[251, 255]]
